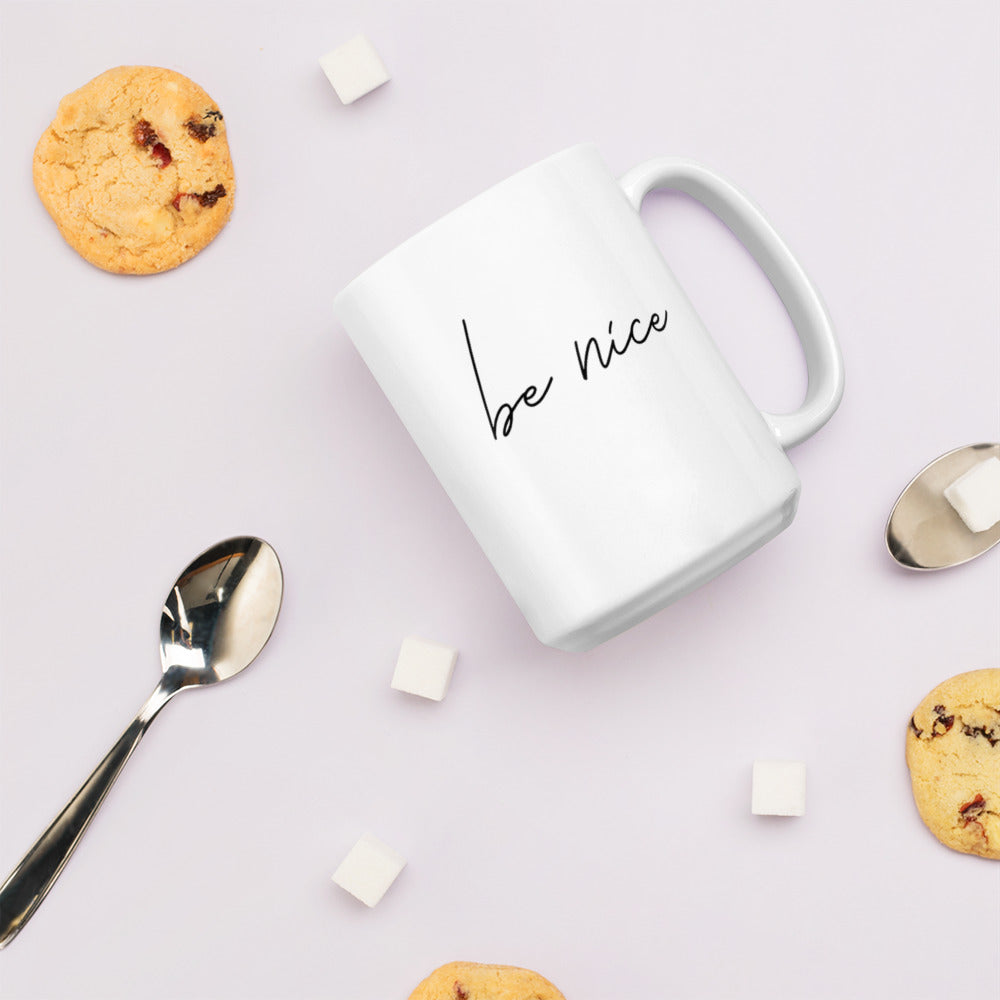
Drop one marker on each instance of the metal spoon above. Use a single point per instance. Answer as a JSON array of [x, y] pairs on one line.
[[215, 621], [924, 530]]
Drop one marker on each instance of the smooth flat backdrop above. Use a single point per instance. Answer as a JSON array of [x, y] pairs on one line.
[[584, 815]]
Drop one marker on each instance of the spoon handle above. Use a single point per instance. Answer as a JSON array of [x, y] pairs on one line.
[[31, 880]]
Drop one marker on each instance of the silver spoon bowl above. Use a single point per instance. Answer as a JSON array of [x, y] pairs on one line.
[[216, 619], [924, 530]]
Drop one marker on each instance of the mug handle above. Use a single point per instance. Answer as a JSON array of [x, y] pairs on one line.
[[824, 365]]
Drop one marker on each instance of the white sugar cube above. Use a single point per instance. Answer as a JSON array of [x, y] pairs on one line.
[[354, 69], [976, 495], [424, 668], [779, 788], [369, 869]]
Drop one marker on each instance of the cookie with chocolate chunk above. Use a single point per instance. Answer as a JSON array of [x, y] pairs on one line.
[[953, 752], [473, 981], [135, 170]]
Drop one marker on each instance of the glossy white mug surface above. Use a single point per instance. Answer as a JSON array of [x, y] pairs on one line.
[[557, 379]]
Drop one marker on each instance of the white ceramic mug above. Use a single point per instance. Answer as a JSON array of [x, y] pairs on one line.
[[572, 404]]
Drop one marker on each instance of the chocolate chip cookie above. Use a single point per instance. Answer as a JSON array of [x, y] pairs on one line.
[[472, 981], [135, 170], [953, 752]]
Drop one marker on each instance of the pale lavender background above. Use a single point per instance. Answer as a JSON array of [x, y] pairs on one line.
[[584, 815]]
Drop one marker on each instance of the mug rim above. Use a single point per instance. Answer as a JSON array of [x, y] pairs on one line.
[[486, 192]]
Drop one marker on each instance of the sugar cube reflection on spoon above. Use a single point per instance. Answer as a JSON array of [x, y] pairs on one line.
[[927, 529], [216, 619]]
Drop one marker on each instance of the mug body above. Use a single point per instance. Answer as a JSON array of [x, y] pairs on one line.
[[572, 404]]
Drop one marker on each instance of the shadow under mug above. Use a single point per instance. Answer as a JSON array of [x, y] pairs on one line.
[[572, 404]]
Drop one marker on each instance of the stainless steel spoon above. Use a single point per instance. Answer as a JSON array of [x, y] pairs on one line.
[[924, 530], [215, 621]]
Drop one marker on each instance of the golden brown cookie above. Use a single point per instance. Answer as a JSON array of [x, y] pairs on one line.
[[135, 170], [953, 752], [472, 981]]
